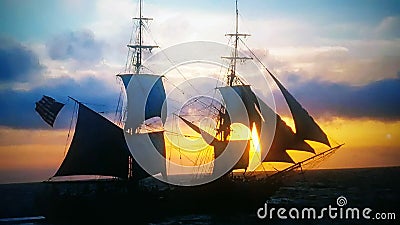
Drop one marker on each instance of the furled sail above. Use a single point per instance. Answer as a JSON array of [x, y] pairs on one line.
[[274, 145], [146, 96], [306, 127], [97, 148]]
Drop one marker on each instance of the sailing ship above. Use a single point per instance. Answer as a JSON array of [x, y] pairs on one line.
[[101, 147]]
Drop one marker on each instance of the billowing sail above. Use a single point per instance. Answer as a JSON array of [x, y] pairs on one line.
[[125, 79], [306, 127], [97, 148], [274, 145], [148, 149], [234, 106], [239, 101], [146, 96], [231, 151], [249, 100]]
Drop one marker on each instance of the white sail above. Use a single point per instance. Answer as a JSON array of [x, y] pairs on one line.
[[235, 106], [146, 96], [126, 78]]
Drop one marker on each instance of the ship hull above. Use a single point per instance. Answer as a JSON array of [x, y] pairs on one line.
[[119, 199]]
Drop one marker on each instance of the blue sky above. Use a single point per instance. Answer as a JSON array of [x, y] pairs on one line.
[[38, 19], [75, 47]]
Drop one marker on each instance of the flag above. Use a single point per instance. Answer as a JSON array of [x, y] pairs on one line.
[[48, 109]]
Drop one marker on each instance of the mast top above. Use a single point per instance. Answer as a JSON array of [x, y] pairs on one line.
[[232, 78], [138, 46]]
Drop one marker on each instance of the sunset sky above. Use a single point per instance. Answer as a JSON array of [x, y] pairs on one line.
[[340, 59]]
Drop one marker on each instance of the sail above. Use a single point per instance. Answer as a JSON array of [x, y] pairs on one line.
[[235, 105], [231, 151], [239, 101], [146, 96], [236, 149], [97, 148], [48, 109], [148, 149], [125, 79], [204, 134], [274, 145], [306, 127], [249, 100], [239, 96]]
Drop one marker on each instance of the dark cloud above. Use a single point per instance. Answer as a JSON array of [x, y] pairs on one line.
[[18, 107], [79, 45], [17, 62], [377, 100]]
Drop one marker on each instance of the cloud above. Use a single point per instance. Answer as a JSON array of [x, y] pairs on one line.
[[17, 62], [389, 27], [79, 45], [359, 63], [18, 106], [377, 100]]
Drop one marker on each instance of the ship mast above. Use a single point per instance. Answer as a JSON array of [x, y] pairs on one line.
[[232, 78], [138, 47], [224, 121]]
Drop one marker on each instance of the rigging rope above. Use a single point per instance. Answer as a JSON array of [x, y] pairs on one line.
[[172, 63], [70, 126]]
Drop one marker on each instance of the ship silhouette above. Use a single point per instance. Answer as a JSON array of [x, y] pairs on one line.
[[107, 157]]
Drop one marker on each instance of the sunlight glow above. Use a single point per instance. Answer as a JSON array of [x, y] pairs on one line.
[[255, 138], [255, 150]]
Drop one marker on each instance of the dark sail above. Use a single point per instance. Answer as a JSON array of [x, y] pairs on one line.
[[243, 162], [236, 147], [149, 150], [306, 127], [48, 109], [205, 135], [237, 150], [249, 100], [97, 148], [283, 139], [157, 138]]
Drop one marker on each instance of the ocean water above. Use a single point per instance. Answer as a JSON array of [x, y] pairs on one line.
[[377, 189]]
